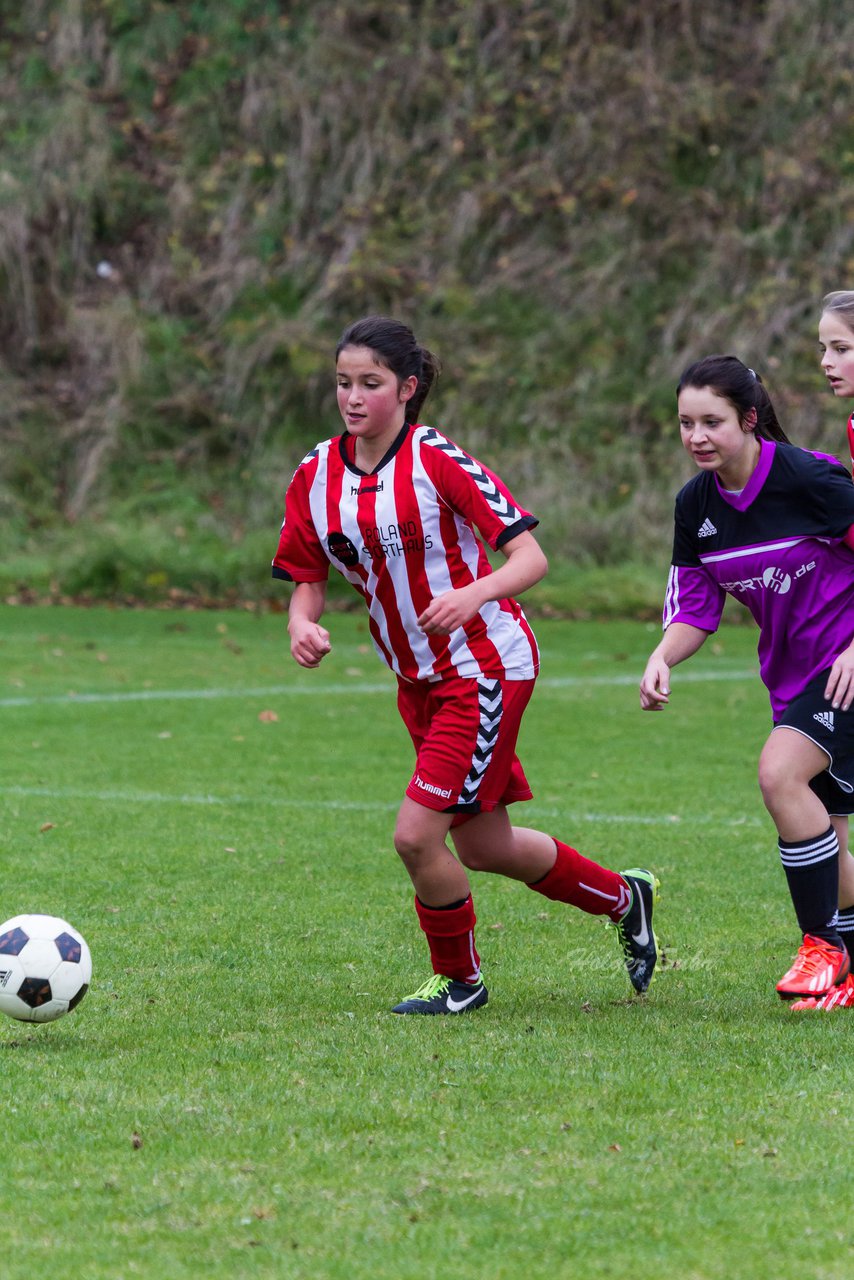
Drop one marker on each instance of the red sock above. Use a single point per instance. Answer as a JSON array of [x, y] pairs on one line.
[[450, 934], [582, 883]]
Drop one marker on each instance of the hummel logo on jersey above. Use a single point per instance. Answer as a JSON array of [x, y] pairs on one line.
[[825, 718], [706, 529]]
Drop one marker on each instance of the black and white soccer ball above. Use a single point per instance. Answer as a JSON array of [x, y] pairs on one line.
[[45, 968]]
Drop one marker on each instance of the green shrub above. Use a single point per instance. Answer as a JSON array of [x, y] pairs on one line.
[[568, 202]]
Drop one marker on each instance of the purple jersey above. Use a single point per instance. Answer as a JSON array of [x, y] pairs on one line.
[[776, 547]]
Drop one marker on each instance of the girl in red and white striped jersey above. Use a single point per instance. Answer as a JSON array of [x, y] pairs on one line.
[[403, 513], [836, 339]]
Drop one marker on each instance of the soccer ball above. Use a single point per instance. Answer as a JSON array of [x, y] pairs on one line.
[[45, 968]]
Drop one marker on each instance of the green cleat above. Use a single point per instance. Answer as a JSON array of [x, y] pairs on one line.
[[637, 939]]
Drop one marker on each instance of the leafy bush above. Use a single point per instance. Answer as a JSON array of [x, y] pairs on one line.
[[567, 200]]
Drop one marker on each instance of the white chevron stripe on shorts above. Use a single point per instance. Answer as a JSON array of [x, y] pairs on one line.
[[491, 703]]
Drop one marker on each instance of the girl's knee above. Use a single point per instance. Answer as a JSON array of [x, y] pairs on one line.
[[773, 777], [411, 840], [473, 857], [784, 779], [407, 845]]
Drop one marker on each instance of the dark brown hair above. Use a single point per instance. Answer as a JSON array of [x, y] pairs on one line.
[[395, 346], [745, 390]]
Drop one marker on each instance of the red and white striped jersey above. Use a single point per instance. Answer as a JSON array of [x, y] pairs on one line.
[[403, 535]]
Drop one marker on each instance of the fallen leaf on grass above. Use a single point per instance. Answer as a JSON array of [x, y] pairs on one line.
[[47, 826], [135, 1141], [267, 717]]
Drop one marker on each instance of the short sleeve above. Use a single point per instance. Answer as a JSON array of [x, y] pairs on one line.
[[475, 492], [300, 556], [692, 595], [839, 500], [684, 545]]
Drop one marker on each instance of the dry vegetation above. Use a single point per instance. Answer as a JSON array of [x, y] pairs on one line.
[[568, 200]]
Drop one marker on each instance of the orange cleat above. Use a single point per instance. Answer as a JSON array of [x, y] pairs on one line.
[[838, 997], [818, 967]]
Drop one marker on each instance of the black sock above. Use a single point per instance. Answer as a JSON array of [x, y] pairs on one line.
[[812, 870], [845, 925]]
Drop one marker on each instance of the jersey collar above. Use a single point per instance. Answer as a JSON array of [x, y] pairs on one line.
[[347, 449], [741, 501]]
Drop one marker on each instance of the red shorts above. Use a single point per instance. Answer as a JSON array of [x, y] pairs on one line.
[[465, 734]]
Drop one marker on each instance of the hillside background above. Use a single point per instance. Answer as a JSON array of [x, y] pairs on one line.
[[568, 201]]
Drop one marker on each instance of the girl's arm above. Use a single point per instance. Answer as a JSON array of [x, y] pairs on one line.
[[525, 565], [679, 642], [309, 641]]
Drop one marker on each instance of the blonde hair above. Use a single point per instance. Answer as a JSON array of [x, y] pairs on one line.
[[841, 303]]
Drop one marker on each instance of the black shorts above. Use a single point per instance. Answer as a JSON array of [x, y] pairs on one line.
[[833, 731]]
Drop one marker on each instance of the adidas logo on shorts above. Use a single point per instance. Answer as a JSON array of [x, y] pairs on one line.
[[825, 718]]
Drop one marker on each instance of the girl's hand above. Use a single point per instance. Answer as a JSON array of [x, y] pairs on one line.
[[655, 685], [448, 611], [309, 642], [840, 683]]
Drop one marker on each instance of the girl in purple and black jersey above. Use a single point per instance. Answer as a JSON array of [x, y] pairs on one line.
[[773, 526]]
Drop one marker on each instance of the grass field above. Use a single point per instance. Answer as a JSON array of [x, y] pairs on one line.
[[233, 1099]]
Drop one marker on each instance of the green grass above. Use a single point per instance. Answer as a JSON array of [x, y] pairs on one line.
[[250, 926]]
